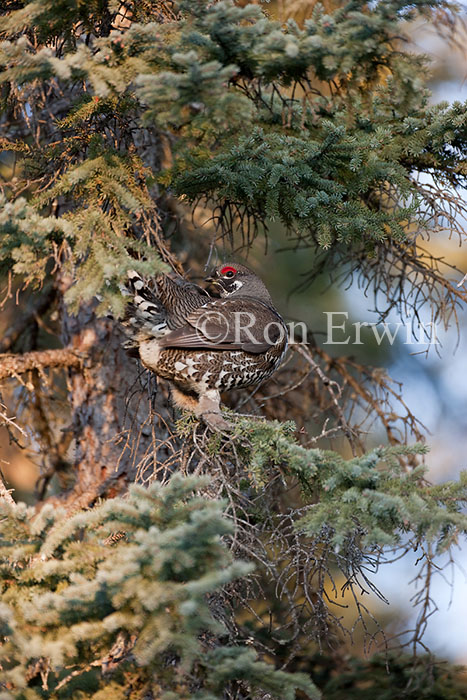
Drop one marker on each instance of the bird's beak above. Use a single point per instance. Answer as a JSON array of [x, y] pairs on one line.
[[211, 279]]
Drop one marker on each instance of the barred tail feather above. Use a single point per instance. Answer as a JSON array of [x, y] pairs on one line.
[[145, 315]]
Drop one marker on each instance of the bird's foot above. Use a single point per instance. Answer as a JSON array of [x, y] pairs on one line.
[[216, 422], [209, 411]]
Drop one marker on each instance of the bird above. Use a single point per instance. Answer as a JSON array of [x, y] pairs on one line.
[[204, 344]]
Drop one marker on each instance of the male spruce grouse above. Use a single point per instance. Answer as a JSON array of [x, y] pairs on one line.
[[205, 345]]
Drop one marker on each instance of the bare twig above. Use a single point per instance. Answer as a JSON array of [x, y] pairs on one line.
[[334, 390], [9, 421], [5, 493]]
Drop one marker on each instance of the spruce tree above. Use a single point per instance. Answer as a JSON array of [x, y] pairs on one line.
[[161, 560]]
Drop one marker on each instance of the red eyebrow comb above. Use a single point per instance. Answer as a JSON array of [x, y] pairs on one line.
[[227, 268]]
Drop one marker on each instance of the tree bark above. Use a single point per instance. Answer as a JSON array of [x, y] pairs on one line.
[[113, 424]]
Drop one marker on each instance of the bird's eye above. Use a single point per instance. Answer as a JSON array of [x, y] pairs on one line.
[[228, 271]]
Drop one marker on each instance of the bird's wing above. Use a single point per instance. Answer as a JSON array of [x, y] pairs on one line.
[[242, 323], [160, 304]]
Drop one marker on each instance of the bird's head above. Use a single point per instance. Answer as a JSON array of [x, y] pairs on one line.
[[234, 279]]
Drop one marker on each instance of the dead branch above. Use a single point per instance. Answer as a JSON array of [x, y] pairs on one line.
[[13, 365]]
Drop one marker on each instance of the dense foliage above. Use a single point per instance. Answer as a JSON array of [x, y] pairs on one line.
[[137, 603]]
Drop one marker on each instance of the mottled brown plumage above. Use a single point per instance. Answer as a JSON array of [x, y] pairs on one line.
[[204, 345]]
